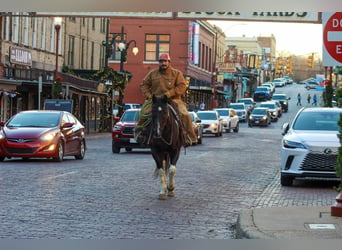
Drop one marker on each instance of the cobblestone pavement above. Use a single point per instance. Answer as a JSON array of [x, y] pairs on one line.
[[113, 196]]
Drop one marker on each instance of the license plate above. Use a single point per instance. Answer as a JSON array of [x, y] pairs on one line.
[[132, 140], [256, 121]]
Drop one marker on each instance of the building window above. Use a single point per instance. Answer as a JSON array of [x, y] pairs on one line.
[[103, 25], [156, 44], [82, 53], [93, 23], [71, 51], [92, 55], [72, 19]]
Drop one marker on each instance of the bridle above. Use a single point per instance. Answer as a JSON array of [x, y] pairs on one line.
[[158, 134]]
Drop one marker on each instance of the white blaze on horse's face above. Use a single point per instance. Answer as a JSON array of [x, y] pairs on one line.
[[160, 109]]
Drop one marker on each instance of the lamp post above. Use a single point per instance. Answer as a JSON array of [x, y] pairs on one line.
[[57, 24], [123, 48]]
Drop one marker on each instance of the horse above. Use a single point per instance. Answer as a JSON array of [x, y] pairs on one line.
[[166, 142]]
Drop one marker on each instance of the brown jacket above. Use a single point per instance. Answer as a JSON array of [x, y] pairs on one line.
[[171, 83]]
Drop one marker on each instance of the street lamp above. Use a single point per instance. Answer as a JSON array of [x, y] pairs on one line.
[[123, 48], [57, 23]]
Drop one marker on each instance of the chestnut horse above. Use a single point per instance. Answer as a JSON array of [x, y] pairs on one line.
[[166, 142]]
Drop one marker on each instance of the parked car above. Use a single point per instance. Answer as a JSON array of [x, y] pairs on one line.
[[249, 103], [240, 109], [197, 125], [230, 119], [262, 94], [309, 146], [272, 108], [288, 80], [269, 85], [259, 117], [123, 132], [279, 82], [311, 79], [311, 85], [283, 99], [212, 122], [42, 134], [279, 107]]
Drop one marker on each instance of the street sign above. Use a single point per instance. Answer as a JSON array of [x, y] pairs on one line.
[[332, 38]]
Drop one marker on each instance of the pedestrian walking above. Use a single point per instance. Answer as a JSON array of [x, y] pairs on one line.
[[314, 100], [299, 97], [202, 106], [309, 98]]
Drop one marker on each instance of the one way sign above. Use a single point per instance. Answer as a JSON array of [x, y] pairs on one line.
[[332, 38]]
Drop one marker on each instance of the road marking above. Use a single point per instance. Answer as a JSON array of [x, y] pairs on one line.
[[61, 175]]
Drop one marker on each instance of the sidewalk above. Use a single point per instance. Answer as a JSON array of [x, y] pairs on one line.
[[99, 135], [288, 223]]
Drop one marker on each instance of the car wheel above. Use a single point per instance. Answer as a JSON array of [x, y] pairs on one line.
[[286, 180], [229, 128], [81, 154], [199, 140], [115, 148], [236, 129], [60, 152], [128, 149], [2, 158]]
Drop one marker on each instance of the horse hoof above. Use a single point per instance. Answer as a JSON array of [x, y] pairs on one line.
[[162, 196], [171, 194]]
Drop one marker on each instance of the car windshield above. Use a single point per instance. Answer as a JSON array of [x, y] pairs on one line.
[[246, 101], [268, 105], [207, 116], [130, 116], [259, 112], [317, 121], [237, 106], [261, 89], [278, 97], [35, 120], [223, 112]]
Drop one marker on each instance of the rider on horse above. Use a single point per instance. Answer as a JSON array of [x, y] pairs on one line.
[[168, 81]]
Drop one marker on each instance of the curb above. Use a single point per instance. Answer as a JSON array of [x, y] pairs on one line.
[[246, 228]]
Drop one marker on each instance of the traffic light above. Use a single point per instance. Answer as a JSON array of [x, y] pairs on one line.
[[288, 65], [259, 62], [311, 61], [278, 66], [187, 81], [251, 61]]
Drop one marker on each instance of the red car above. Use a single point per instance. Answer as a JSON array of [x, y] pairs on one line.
[[123, 132], [42, 134]]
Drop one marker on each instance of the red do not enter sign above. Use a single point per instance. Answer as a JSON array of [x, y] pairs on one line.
[[332, 36]]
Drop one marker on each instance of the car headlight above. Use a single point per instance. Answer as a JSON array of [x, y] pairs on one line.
[[47, 137], [292, 144], [213, 125], [117, 128], [264, 118], [2, 136]]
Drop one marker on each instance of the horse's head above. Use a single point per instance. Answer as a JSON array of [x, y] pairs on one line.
[[160, 113]]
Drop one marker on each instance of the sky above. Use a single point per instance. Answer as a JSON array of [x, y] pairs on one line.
[[296, 38]]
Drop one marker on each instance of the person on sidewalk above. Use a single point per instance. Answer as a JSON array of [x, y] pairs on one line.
[[168, 81], [309, 98], [299, 98], [314, 100]]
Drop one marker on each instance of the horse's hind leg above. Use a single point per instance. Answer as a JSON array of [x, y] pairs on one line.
[[171, 184]]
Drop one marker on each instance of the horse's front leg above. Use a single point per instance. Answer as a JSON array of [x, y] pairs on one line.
[[171, 184], [163, 184], [172, 172]]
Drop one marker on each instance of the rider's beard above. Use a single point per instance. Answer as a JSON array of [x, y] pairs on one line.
[[162, 68]]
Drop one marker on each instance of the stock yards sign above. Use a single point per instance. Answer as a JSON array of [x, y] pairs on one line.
[[332, 38], [309, 17]]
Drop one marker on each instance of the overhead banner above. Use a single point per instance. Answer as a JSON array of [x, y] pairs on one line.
[[286, 16]]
